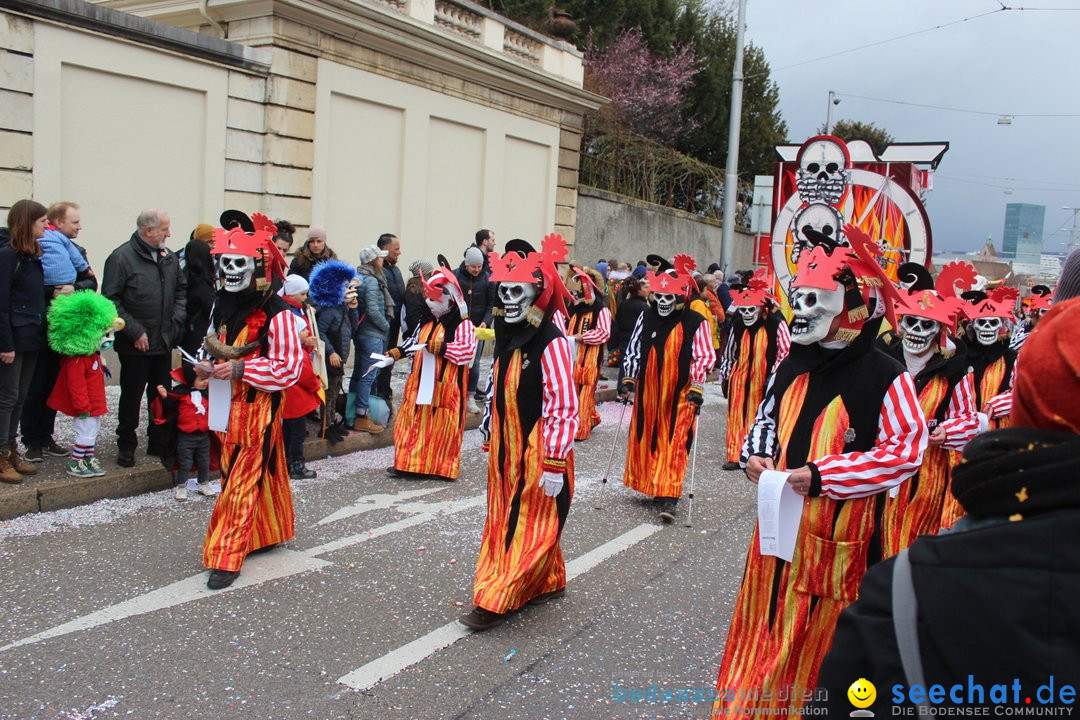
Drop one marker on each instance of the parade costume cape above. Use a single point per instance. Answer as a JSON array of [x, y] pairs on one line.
[[254, 509], [593, 322], [666, 358], [530, 419], [923, 505], [750, 356], [993, 368], [427, 438]]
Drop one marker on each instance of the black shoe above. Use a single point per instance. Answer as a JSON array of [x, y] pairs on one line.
[[395, 473], [53, 449], [667, 509], [264, 548], [125, 458], [300, 472], [221, 579], [33, 454], [731, 466], [479, 619], [548, 597]]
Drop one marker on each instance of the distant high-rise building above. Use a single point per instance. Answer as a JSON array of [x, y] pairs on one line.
[[1023, 237]]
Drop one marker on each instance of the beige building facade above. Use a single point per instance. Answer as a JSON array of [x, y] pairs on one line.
[[426, 118]]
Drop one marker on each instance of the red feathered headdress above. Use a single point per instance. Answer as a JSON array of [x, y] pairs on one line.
[[253, 237], [999, 303], [523, 264], [758, 291]]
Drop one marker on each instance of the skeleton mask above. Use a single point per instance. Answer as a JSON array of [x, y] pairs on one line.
[[918, 334], [822, 173], [665, 303], [987, 330], [813, 312], [107, 340], [749, 314], [516, 298], [441, 306], [823, 218], [236, 272]]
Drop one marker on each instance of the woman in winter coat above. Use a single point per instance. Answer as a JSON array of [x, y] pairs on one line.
[[632, 303], [201, 287], [314, 251], [375, 309], [22, 325]]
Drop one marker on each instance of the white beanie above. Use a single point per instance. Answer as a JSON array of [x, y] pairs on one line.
[[474, 256], [294, 284]]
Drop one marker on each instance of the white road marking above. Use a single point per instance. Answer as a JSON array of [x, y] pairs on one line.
[[385, 667], [258, 569], [367, 503]]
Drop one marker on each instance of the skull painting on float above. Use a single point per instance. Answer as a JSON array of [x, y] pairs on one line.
[[254, 342], [816, 224], [822, 175]]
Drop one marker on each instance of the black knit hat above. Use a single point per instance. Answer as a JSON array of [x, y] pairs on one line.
[[1069, 283]]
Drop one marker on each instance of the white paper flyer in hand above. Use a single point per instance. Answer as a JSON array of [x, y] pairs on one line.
[[573, 348], [426, 391], [219, 398], [779, 515]]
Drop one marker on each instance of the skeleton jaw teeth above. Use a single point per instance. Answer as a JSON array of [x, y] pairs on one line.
[[915, 344], [799, 326]]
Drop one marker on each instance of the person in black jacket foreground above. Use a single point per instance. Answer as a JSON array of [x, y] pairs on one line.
[[996, 595]]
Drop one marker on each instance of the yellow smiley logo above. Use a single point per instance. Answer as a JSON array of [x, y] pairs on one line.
[[862, 693]]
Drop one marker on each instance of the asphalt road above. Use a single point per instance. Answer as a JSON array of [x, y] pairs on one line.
[[105, 611]]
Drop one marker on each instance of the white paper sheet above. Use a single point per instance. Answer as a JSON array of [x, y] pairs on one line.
[[573, 349], [426, 391], [779, 515], [220, 401]]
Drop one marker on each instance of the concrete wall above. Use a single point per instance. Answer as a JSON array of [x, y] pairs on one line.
[[429, 119], [616, 226]]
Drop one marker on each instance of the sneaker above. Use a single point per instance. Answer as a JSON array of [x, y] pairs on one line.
[[93, 464], [300, 472], [33, 454], [181, 492], [79, 469], [206, 489], [125, 458], [472, 407], [55, 450], [479, 619], [221, 579], [667, 509]]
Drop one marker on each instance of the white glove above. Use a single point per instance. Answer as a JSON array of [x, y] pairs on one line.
[[551, 483], [381, 361], [417, 347]]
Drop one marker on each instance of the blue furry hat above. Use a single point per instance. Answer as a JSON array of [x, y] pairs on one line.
[[326, 286]]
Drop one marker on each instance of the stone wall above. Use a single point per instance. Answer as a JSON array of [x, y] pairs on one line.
[[616, 226], [16, 108]]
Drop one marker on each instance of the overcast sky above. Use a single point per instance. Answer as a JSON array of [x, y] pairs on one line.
[[1011, 62]]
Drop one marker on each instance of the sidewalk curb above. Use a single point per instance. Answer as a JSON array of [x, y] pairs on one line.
[[68, 492]]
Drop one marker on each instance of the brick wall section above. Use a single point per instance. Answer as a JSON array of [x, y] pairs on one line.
[[16, 110]]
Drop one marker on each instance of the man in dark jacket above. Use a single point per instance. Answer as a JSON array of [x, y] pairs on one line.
[[143, 278], [479, 294], [395, 284], [992, 602]]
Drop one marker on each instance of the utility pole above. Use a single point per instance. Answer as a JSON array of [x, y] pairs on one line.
[[1074, 232], [833, 100], [731, 183]]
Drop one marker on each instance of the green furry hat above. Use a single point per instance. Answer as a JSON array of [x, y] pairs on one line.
[[78, 322]]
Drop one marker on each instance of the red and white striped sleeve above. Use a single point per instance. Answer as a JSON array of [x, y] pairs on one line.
[[896, 456], [281, 366], [1001, 404], [602, 332], [961, 421], [783, 344], [462, 348], [559, 413], [703, 355], [561, 320]]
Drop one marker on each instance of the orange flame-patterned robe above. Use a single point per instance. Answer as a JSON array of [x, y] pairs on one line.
[[665, 358], [750, 356], [994, 367], [255, 507], [529, 424], [427, 438], [593, 324], [859, 438], [924, 505]]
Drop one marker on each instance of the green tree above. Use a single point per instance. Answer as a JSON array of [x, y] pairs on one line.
[[848, 130]]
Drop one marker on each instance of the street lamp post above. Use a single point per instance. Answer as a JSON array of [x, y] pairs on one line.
[[731, 188], [833, 100], [1074, 231]]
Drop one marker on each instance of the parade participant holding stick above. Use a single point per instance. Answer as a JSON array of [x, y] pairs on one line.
[[258, 350], [668, 358], [590, 327], [530, 419], [939, 366], [843, 420], [992, 361], [430, 423], [759, 340]]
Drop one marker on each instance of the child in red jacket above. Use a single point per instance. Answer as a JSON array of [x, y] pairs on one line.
[[307, 394], [80, 326], [192, 429]]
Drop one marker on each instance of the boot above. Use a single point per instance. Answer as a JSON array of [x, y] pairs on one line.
[[21, 466], [363, 422], [8, 474]]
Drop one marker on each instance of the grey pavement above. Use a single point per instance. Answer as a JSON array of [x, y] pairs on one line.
[[390, 566]]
